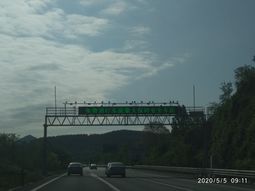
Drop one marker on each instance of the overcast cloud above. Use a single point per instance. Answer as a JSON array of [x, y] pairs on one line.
[[94, 50]]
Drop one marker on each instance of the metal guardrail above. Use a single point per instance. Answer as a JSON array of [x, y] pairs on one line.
[[201, 171], [233, 172]]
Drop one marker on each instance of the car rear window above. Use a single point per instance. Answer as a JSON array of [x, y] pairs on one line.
[[75, 165], [117, 165]]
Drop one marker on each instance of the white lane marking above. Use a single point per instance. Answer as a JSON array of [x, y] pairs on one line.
[[169, 185], [104, 181], [42, 185]]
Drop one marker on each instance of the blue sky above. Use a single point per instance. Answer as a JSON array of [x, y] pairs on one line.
[[117, 50]]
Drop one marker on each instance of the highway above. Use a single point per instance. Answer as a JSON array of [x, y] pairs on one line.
[[136, 180]]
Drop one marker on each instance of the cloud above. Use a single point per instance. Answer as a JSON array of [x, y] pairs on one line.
[[32, 63], [84, 25], [115, 8], [41, 48], [171, 62], [139, 30], [21, 18], [156, 70], [91, 2], [37, 19], [109, 7], [137, 38], [135, 44], [46, 67]]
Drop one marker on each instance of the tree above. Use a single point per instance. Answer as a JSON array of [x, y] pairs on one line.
[[227, 89], [212, 108], [232, 143], [7, 147], [157, 128], [245, 78]]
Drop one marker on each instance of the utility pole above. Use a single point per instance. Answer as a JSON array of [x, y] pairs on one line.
[[44, 170], [194, 97], [55, 95]]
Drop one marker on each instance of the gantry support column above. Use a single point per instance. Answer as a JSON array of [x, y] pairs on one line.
[[45, 148]]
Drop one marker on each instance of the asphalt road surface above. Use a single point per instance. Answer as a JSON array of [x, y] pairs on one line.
[[136, 180]]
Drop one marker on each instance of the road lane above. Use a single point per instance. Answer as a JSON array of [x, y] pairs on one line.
[[152, 180], [187, 181], [136, 180], [106, 182], [76, 183], [48, 182]]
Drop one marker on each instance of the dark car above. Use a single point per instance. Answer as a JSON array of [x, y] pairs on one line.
[[115, 168], [75, 168], [93, 166]]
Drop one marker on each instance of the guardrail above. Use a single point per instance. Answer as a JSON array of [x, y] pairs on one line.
[[233, 172], [210, 172]]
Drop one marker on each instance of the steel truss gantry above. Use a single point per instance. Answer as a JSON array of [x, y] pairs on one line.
[[107, 120], [69, 117]]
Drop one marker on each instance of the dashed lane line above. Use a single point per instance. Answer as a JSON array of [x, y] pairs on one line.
[[104, 181]]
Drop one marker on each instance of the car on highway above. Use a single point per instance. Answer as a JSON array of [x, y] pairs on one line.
[[115, 168], [75, 168], [93, 166]]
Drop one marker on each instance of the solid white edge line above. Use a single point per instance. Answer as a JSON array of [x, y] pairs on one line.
[[104, 181], [169, 185], [46, 183]]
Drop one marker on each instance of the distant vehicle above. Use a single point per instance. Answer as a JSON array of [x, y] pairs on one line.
[[75, 168], [93, 166], [115, 168]]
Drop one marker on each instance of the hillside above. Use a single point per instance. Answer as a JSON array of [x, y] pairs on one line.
[[117, 145]]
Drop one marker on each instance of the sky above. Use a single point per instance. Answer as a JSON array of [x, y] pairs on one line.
[[118, 51]]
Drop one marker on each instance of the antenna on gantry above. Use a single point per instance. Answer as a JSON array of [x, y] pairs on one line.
[[55, 95]]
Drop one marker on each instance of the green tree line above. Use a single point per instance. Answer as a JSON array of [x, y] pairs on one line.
[[233, 122], [21, 162]]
